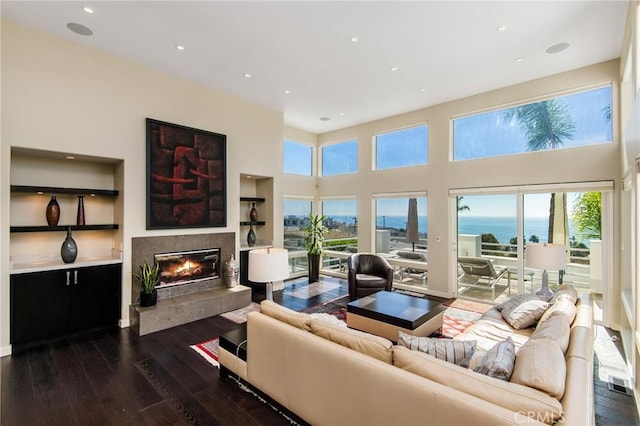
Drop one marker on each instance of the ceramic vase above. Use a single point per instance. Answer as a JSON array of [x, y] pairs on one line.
[[80, 217], [253, 213], [231, 273], [69, 250], [53, 211], [251, 237]]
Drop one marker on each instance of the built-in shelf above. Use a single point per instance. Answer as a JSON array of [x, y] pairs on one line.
[[259, 222], [45, 228], [253, 199], [59, 190]]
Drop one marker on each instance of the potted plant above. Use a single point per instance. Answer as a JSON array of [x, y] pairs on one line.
[[148, 278], [314, 241]]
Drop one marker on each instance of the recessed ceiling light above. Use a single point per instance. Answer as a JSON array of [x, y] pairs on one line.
[[247, 75], [324, 119], [518, 59], [422, 90], [395, 68], [70, 157], [87, 9], [249, 176], [179, 47], [39, 192], [501, 28], [79, 29], [556, 48], [342, 114], [286, 92], [355, 39]]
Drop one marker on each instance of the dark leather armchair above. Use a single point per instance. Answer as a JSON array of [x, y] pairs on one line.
[[368, 273]]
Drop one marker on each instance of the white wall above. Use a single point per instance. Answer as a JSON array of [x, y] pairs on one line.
[[59, 96], [592, 163]]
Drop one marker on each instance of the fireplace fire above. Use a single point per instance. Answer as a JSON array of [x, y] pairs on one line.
[[185, 267]]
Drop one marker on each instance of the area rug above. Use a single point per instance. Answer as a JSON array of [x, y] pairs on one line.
[[208, 350], [336, 307], [239, 316], [468, 305], [313, 289]]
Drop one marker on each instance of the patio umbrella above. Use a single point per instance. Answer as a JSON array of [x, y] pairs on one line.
[[412, 223]]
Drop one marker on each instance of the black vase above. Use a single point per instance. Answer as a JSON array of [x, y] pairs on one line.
[[148, 299], [251, 237], [253, 214], [53, 211], [69, 250], [80, 217], [314, 267]]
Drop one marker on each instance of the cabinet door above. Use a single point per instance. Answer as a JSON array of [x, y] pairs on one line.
[[40, 306], [96, 297]]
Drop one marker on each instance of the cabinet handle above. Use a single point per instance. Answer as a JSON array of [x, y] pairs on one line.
[[68, 277], [75, 277]]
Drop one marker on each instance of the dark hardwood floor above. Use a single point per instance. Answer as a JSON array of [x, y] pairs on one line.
[[114, 377]]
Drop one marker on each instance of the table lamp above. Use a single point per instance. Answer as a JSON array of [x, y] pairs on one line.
[[546, 257], [268, 265]]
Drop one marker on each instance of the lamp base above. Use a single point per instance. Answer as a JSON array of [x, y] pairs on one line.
[[269, 289], [544, 292]]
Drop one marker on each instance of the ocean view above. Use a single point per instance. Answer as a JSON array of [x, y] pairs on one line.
[[502, 228]]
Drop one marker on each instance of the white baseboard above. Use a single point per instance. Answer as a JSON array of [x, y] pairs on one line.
[[5, 350], [124, 323]]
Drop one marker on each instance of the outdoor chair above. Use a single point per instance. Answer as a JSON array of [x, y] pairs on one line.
[[479, 272]]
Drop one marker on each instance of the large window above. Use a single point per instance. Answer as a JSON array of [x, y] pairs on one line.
[[568, 121], [340, 158], [297, 158], [401, 225], [296, 214], [341, 218], [402, 148], [495, 228]]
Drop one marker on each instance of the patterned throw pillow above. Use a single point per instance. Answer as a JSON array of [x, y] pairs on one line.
[[522, 312], [455, 351], [498, 362]]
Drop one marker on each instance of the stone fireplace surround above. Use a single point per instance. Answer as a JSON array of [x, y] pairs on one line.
[[188, 302]]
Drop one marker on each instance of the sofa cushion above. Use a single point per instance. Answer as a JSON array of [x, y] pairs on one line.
[[512, 396], [563, 306], [498, 362], [455, 351], [565, 291], [522, 312], [291, 317], [555, 328], [540, 364], [368, 344]]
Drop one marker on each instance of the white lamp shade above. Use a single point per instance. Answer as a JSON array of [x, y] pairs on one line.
[[552, 257], [268, 265]]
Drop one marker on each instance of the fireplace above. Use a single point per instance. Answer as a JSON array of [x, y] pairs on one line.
[[183, 267]]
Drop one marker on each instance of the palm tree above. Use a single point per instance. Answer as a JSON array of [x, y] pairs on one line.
[[462, 207], [587, 213], [546, 124]]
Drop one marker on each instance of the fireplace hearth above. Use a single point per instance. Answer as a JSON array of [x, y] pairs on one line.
[[184, 267]]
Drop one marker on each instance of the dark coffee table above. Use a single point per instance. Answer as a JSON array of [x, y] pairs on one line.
[[385, 313]]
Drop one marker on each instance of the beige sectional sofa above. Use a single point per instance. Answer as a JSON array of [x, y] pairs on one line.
[[331, 375]]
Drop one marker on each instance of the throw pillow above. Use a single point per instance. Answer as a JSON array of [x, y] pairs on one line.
[[524, 312], [565, 291], [564, 307], [498, 361], [455, 351]]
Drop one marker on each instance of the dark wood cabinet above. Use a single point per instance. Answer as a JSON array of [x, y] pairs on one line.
[[50, 304]]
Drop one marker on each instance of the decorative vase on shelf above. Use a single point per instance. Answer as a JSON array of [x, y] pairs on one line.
[[80, 216], [53, 211], [231, 272], [251, 237], [253, 214], [69, 250]]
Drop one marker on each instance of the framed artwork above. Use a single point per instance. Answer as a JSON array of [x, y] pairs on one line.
[[186, 177]]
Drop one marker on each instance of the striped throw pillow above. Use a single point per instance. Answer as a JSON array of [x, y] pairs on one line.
[[498, 362], [455, 351]]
